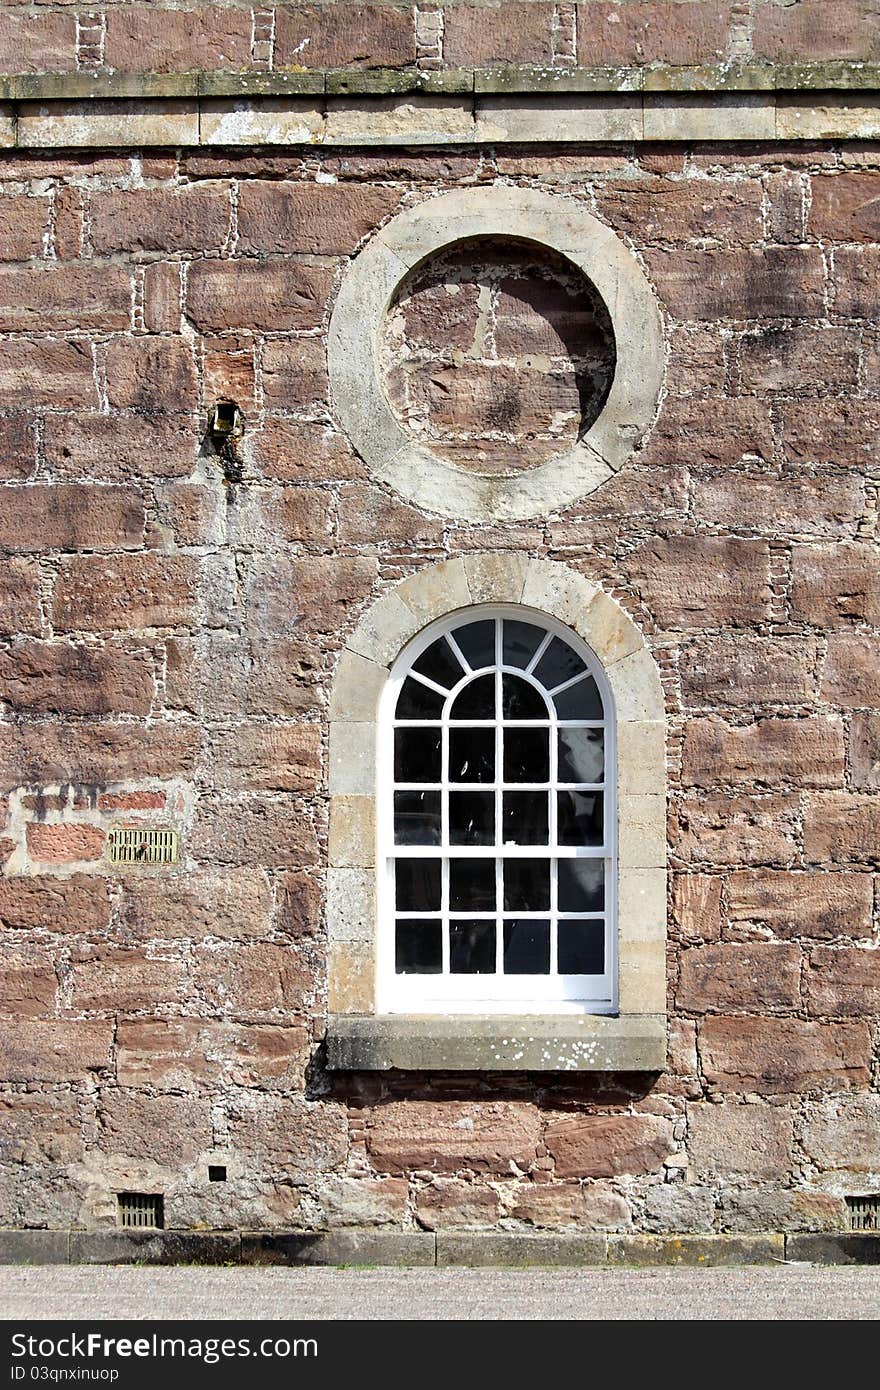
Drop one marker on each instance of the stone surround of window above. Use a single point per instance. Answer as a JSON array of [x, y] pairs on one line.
[[530, 216], [359, 1036]]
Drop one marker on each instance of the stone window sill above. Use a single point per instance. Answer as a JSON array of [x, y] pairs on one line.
[[496, 1042]]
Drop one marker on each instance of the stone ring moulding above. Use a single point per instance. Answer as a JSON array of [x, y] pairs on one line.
[[368, 289]]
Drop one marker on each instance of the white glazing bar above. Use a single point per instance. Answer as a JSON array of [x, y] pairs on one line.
[[542, 647]]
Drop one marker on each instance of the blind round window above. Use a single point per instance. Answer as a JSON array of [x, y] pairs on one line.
[[497, 820]]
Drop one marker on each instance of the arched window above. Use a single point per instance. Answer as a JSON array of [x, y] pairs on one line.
[[496, 807]]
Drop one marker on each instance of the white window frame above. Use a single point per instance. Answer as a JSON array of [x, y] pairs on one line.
[[485, 994]]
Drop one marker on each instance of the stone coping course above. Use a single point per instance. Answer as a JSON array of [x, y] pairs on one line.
[[170, 112], [520, 80], [424, 1248]]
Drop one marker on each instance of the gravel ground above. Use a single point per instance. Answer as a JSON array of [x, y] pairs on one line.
[[104, 1292]]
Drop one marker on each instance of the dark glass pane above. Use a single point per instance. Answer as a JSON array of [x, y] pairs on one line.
[[417, 755], [581, 885], [472, 818], [417, 818], [559, 663], [526, 885], [519, 700], [581, 701], [581, 948], [581, 755], [477, 642], [439, 663], [525, 818], [475, 701], [417, 701], [580, 818], [527, 948], [417, 885], [472, 885], [471, 755], [520, 642], [472, 948], [526, 755], [418, 948]]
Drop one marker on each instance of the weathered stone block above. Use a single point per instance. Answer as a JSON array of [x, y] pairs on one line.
[[783, 1055], [735, 829], [57, 297], [555, 1206], [750, 1142], [798, 358], [254, 980], [67, 517], [28, 985], [264, 294], [155, 219], [446, 1136], [452, 1203], [820, 504], [101, 752], [756, 284], [124, 980], [354, 35], [114, 448], [19, 597], [47, 372], [152, 373], [805, 752], [605, 1146], [364, 1201], [72, 904], [609, 35], [743, 976], [165, 1129], [795, 904], [69, 678], [832, 584], [185, 41], [843, 982], [851, 671], [843, 1134], [690, 581], [841, 826], [864, 751], [329, 219], [285, 758], [194, 1054], [748, 671], [122, 593], [295, 1135], [234, 903], [56, 1051]]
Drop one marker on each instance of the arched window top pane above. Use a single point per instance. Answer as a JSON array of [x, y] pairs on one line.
[[476, 700]]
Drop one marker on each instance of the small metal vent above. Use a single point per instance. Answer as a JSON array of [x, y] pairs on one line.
[[142, 1210], [864, 1213], [142, 846]]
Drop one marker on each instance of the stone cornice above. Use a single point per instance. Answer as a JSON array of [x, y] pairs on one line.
[[487, 106], [511, 81]]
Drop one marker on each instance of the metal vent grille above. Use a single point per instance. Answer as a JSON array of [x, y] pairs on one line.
[[864, 1213], [142, 846], [141, 1210]]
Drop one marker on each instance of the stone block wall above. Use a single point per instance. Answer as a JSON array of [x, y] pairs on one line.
[[171, 619], [118, 36]]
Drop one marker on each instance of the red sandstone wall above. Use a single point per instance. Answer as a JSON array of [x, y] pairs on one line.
[[169, 637], [123, 37]]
